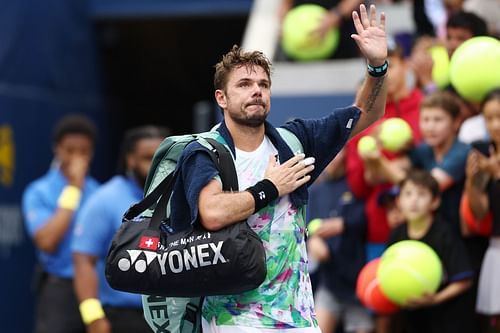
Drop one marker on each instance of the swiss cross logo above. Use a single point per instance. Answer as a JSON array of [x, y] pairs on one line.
[[149, 243]]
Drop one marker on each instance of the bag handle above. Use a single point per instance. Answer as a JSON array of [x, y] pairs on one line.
[[165, 186]]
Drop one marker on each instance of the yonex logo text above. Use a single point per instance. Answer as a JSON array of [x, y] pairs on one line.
[[174, 261]]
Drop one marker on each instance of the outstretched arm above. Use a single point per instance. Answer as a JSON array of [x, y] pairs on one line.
[[372, 43]]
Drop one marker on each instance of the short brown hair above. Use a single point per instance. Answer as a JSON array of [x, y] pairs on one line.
[[443, 100], [422, 178], [235, 58]]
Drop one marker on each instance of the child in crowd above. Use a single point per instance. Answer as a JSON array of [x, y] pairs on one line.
[[441, 154], [482, 191], [445, 310], [444, 156]]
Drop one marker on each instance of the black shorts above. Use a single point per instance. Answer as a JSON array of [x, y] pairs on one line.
[[57, 308]]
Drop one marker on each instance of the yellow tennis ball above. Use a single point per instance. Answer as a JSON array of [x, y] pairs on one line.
[[475, 67], [441, 66], [367, 144], [395, 133], [409, 269], [297, 39], [313, 226]]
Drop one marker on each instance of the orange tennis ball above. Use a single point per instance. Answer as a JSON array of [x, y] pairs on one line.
[[369, 292]]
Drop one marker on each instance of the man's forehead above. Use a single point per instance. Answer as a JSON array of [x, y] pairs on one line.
[[249, 72]]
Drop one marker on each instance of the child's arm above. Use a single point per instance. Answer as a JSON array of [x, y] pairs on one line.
[[450, 291], [443, 178], [377, 166], [318, 249], [451, 168]]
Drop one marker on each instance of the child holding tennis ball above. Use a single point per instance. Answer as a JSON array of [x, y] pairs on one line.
[[441, 153], [446, 310]]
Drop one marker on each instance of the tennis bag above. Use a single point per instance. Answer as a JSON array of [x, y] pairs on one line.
[[182, 314], [147, 257]]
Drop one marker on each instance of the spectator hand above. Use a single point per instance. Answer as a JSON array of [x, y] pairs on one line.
[[77, 170], [421, 60], [318, 249], [330, 227], [420, 302], [371, 159], [331, 20], [491, 164], [422, 64], [370, 36], [476, 170]]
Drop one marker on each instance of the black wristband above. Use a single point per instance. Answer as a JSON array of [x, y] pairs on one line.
[[378, 71], [263, 193]]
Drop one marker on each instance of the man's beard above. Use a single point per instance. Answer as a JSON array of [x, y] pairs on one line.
[[254, 121]]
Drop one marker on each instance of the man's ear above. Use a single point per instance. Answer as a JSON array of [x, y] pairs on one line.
[[220, 98]]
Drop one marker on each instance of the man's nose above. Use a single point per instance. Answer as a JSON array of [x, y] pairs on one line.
[[256, 90]]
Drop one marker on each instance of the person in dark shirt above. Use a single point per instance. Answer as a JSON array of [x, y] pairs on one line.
[[447, 309]]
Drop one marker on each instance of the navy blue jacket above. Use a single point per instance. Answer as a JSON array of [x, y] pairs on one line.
[[321, 138]]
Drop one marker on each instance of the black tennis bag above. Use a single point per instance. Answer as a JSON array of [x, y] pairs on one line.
[[146, 257]]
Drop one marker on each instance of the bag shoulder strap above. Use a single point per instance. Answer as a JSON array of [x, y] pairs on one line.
[[296, 146], [291, 140], [225, 163], [166, 156]]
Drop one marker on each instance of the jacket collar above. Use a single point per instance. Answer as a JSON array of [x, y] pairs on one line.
[[284, 150]]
